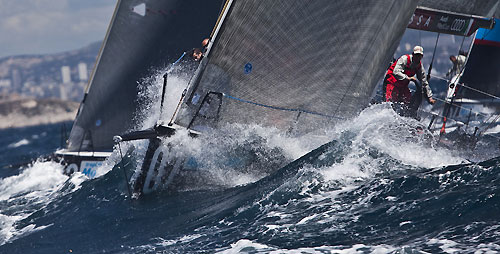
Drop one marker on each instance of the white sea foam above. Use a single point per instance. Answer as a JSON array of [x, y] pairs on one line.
[[248, 246], [450, 246], [150, 93], [28, 192], [377, 127], [19, 143], [380, 127], [40, 179]]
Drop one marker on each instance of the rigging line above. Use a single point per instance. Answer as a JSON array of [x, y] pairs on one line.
[[124, 171], [454, 120], [177, 108], [461, 71], [461, 44], [456, 105], [477, 113], [174, 63], [441, 78], [452, 104], [280, 108], [479, 91], [471, 88], [489, 125], [432, 61], [165, 78], [420, 37], [366, 54]]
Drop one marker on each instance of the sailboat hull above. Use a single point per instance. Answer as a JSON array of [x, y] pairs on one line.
[[84, 162]]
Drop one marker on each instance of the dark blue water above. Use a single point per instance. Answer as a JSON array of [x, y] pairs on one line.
[[19, 146], [360, 192]]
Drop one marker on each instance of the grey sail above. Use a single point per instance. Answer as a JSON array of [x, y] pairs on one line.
[[292, 64], [144, 35], [473, 7]]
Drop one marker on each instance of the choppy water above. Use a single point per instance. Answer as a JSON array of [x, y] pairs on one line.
[[371, 186]]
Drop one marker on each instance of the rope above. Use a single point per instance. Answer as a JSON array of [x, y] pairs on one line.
[[165, 77], [451, 119], [280, 108], [177, 61], [471, 88], [489, 125], [177, 108], [454, 120], [432, 61], [479, 91], [124, 171], [458, 106], [477, 113]]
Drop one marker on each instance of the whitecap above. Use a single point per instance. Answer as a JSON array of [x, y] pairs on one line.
[[19, 143]]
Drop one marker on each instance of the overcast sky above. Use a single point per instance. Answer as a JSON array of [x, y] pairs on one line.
[[50, 26]]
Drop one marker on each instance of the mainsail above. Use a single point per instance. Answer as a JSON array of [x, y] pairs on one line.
[[144, 35], [294, 64]]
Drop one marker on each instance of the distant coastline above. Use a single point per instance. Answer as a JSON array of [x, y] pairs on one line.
[[17, 111], [44, 89]]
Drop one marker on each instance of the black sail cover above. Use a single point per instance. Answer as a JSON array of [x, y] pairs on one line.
[[292, 64], [143, 35]]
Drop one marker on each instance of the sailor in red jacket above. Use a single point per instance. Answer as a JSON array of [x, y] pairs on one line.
[[400, 74]]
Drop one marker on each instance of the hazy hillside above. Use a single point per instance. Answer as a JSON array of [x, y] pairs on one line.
[[41, 76], [20, 112], [43, 89]]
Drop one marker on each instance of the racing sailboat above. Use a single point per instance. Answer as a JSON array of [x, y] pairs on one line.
[[297, 66], [473, 97], [143, 37], [475, 83]]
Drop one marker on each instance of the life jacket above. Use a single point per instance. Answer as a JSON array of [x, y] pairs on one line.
[[389, 76]]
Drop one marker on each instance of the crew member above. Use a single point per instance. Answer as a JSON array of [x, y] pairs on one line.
[[197, 53], [399, 75], [458, 64]]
